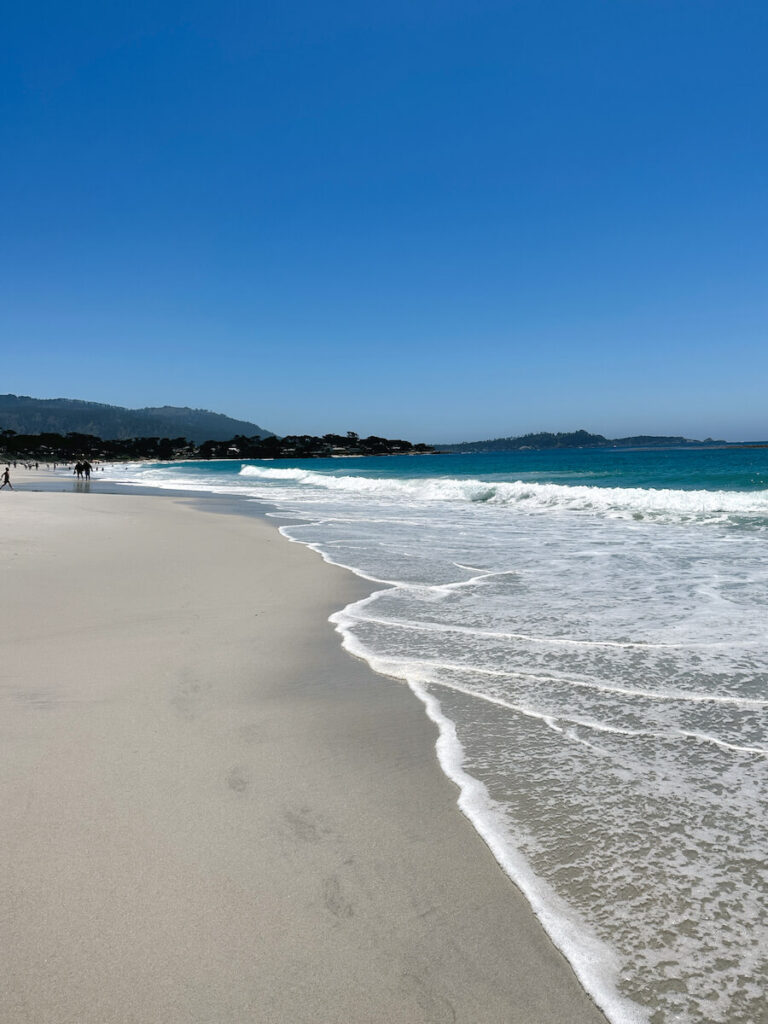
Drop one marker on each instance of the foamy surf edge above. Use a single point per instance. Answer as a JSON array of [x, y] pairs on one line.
[[593, 961]]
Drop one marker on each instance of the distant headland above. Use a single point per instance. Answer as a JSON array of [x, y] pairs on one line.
[[579, 439]]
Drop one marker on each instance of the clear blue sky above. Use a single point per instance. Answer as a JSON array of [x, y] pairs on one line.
[[438, 220]]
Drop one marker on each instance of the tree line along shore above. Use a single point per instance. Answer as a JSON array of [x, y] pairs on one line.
[[49, 447]]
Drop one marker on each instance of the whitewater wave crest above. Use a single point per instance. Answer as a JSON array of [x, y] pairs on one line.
[[622, 501]]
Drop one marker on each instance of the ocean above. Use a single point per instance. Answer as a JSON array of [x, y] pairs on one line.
[[588, 630]]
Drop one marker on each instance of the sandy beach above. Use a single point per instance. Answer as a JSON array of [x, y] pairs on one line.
[[210, 812]]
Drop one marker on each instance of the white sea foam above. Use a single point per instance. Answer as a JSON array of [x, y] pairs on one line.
[[596, 964]]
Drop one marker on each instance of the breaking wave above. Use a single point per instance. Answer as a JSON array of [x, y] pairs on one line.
[[636, 502]]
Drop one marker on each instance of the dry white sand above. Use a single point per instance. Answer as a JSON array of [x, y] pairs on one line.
[[209, 812]]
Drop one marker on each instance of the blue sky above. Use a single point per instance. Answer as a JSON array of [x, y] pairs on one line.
[[439, 220]]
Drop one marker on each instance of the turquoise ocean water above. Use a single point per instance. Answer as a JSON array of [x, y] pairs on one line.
[[588, 629]]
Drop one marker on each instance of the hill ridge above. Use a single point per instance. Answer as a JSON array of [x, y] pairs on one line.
[[27, 415]]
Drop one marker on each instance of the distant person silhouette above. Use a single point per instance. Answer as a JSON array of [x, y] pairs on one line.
[[87, 470], [6, 478], [78, 469]]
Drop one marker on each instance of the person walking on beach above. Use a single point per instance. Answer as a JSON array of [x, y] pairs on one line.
[[78, 469], [6, 478], [87, 470]]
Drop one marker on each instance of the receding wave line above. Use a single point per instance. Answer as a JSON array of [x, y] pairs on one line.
[[533, 496], [700, 737], [439, 627], [553, 722], [622, 691]]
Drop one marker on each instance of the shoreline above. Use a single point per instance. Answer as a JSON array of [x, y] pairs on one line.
[[213, 812]]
